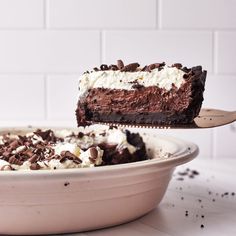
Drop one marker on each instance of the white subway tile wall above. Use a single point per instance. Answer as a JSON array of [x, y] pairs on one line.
[[46, 44], [62, 92], [102, 14], [48, 51], [21, 14], [22, 97], [179, 46]]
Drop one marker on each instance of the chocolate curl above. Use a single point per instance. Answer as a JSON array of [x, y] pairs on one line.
[[104, 67], [14, 160], [33, 158], [113, 67], [130, 67], [35, 166], [14, 144], [6, 167], [93, 152], [47, 135], [120, 64], [68, 155], [177, 65]]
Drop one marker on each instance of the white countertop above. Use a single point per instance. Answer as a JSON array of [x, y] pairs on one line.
[[193, 195]]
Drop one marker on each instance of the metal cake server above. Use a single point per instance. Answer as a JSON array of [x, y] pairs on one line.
[[207, 118]]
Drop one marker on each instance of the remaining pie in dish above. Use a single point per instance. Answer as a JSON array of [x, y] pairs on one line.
[[155, 94], [89, 147]]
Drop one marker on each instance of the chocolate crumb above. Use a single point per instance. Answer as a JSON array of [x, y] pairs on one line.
[[180, 179], [199, 200], [194, 172], [213, 200], [202, 216], [182, 198], [66, 184], [182, 173], [232, 193], [80, 135], [137, 86], [202, 226]]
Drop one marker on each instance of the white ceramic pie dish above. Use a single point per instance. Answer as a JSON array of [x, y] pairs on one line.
[[74, 200]]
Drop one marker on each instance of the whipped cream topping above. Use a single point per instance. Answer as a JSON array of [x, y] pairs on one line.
[[109, 79], [102, 134]]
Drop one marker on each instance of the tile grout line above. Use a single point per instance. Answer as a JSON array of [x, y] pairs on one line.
[[44, 14], [46, 6], [214, 53], [158, 14], [45, 97], [118, 29], [102, 43], [214, 144], [100, 47]]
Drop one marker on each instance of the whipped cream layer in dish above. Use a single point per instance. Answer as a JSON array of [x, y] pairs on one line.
[[63, 149], [165, 78]]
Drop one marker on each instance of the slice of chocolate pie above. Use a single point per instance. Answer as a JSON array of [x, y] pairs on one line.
[[156, 94]]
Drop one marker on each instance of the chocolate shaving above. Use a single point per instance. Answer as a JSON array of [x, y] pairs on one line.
[[104, 67], [70, 156], [14, 160], [6, 167], [47, 135], [177, 65], [93, 153], [113, 67], [28, 153], [120, 64], [130, 67], [135, 67], [6, 154], [144, 68], [33, 158], [14, 144], [35, 166]]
